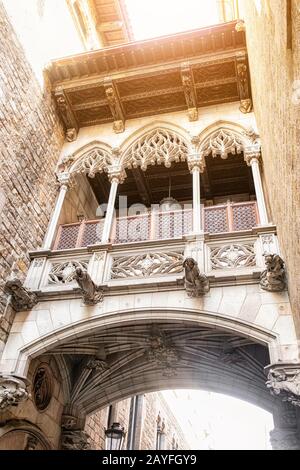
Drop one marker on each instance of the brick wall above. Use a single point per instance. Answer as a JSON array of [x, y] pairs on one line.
[[274, 66], [31, 140]]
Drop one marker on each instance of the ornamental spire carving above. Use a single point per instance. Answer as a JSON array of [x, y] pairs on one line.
[[13, 391], [91, 293], [196, 284], [21, 298]]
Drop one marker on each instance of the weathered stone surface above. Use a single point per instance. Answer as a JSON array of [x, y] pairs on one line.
[[31, 139]]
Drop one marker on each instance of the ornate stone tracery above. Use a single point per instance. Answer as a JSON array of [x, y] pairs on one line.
[[147, 264], [160, 146], [64, 273], [96, 160], [221, 143], [233, 256]]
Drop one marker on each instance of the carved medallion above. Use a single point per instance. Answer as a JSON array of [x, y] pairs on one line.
[[42, 387]]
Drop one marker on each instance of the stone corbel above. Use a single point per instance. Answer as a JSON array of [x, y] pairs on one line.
[[67, 115], [189, 90], [91, 293], [284, 382], [115, 105], [21, 298], [13, 391], [196, 284], [243, 83]]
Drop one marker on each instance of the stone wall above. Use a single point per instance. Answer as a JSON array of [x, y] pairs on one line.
[[31, 139], [273, 39]]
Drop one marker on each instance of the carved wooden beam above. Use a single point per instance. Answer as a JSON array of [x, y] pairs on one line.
[[189, 91], [115, 105], [66, 114], [243, 83]]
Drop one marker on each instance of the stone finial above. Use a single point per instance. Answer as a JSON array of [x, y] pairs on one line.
[[21, 298], [196, 284], [13, 390], [285, 381], [273, 278], [92, 294]]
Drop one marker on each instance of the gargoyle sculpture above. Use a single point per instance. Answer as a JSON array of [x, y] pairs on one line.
[[196, 284], [92, 294], [287, 387], [273, 278], [21, 298]]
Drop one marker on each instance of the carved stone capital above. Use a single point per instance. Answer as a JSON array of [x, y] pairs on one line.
[[64, 179], [117, 174], [74, 440], [196, 161], [284, 381], [273, 278], [195, 283], [21, 298], [252, 153], [91, 293], [13, 390]]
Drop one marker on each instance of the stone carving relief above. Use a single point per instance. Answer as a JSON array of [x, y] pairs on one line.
[[13, 390], [91, 293], [42, 387], [196, 284], [74, 439], [162, 352], [64, 273], [97, 364], [21, 298], [96, 160], [268, 244], [273, 278], [232, 256], [285, 383], [161, 146], [147, 265], [221, 143]]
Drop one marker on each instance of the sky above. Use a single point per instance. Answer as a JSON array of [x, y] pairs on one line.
[[220, 422], [152, 18]]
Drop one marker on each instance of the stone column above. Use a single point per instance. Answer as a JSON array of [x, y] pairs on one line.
[[116, 177], [196, 166], [252, 157], [64, 185], [285, 435]]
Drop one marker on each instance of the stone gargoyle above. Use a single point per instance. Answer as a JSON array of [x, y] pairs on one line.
[[288, 387], [273, 277], [21, 298], [195, 283], [92, 294]]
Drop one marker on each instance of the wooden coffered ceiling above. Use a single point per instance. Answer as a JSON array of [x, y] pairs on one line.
[[111, 21], [185, 71]]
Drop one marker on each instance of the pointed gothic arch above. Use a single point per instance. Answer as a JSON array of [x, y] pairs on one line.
[[157, 145]]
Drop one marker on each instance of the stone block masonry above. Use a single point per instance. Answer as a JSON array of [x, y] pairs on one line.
[[31, 139]]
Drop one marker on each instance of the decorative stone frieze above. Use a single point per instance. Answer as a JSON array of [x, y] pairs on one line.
[[273, 278], [64, 273], [147, 265], [13, 391], [232, 256], [21, 298], [284, 381], [196, 284], [91, 293]]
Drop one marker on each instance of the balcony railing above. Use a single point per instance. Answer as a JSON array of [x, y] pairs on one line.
[[159, 225]]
